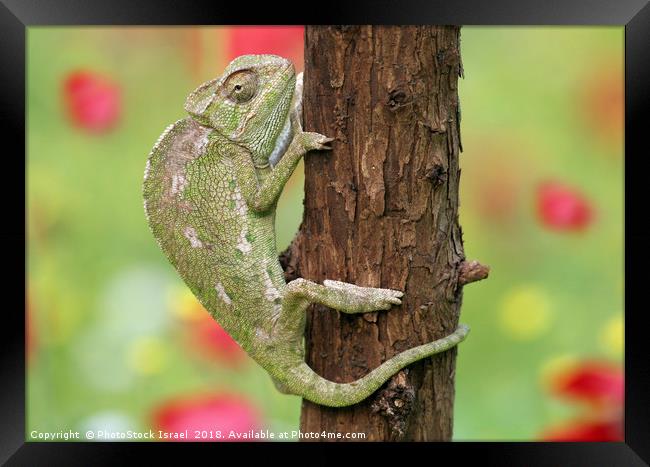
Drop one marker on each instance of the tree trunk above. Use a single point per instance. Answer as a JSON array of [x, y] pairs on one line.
[[381, 210]]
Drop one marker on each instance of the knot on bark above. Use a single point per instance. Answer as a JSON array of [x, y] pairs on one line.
[[397, 98], [395, 403], [472, 271], [437, 174]]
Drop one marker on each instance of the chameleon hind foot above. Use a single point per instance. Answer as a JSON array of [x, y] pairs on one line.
[[374, 297], [347, 298]]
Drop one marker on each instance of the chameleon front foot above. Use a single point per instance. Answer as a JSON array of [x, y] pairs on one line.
[[308, 140], [315, 141]]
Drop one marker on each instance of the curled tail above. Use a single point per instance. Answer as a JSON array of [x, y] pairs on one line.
[[308, 384]]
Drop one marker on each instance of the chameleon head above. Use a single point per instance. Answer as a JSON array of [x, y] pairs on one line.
[[249, 104]]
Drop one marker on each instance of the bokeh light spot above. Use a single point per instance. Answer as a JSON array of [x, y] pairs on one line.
[[525, 312], [612, 336], [93, 101], [147, 355]]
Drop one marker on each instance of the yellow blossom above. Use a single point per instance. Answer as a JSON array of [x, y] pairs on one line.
[[147, 355], [612, 335], [525, 312]]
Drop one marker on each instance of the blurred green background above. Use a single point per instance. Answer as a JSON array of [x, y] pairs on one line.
[[116, 341]]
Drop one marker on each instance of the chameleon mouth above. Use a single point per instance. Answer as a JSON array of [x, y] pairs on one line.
[[284, 138]]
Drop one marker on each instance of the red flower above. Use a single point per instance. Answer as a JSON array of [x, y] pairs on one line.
[[562, 208], [212, 413], [600, 386], [286, 41], [586, 431], [92, 101], [595, 382]]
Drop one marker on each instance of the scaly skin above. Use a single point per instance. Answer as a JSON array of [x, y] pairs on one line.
[[210, 191]]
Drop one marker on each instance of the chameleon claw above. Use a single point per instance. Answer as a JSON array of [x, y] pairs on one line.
[[316, 141]]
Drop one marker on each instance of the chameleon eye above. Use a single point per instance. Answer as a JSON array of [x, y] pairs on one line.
[[241, 86]]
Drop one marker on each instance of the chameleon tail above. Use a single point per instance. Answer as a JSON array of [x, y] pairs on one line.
[[324, 392]]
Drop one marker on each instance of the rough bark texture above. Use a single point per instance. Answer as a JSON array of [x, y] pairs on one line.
[[381, 210]]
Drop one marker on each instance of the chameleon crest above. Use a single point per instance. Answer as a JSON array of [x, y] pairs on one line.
[[211, 186]]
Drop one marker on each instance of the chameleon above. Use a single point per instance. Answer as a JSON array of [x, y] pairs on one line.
[[211, 186]]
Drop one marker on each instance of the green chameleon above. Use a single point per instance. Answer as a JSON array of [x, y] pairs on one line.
[[211, 187]]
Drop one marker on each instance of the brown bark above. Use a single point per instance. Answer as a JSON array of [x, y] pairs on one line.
[[381, 210]]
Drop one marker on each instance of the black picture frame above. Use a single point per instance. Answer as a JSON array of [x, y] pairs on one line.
[[17, 15]]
